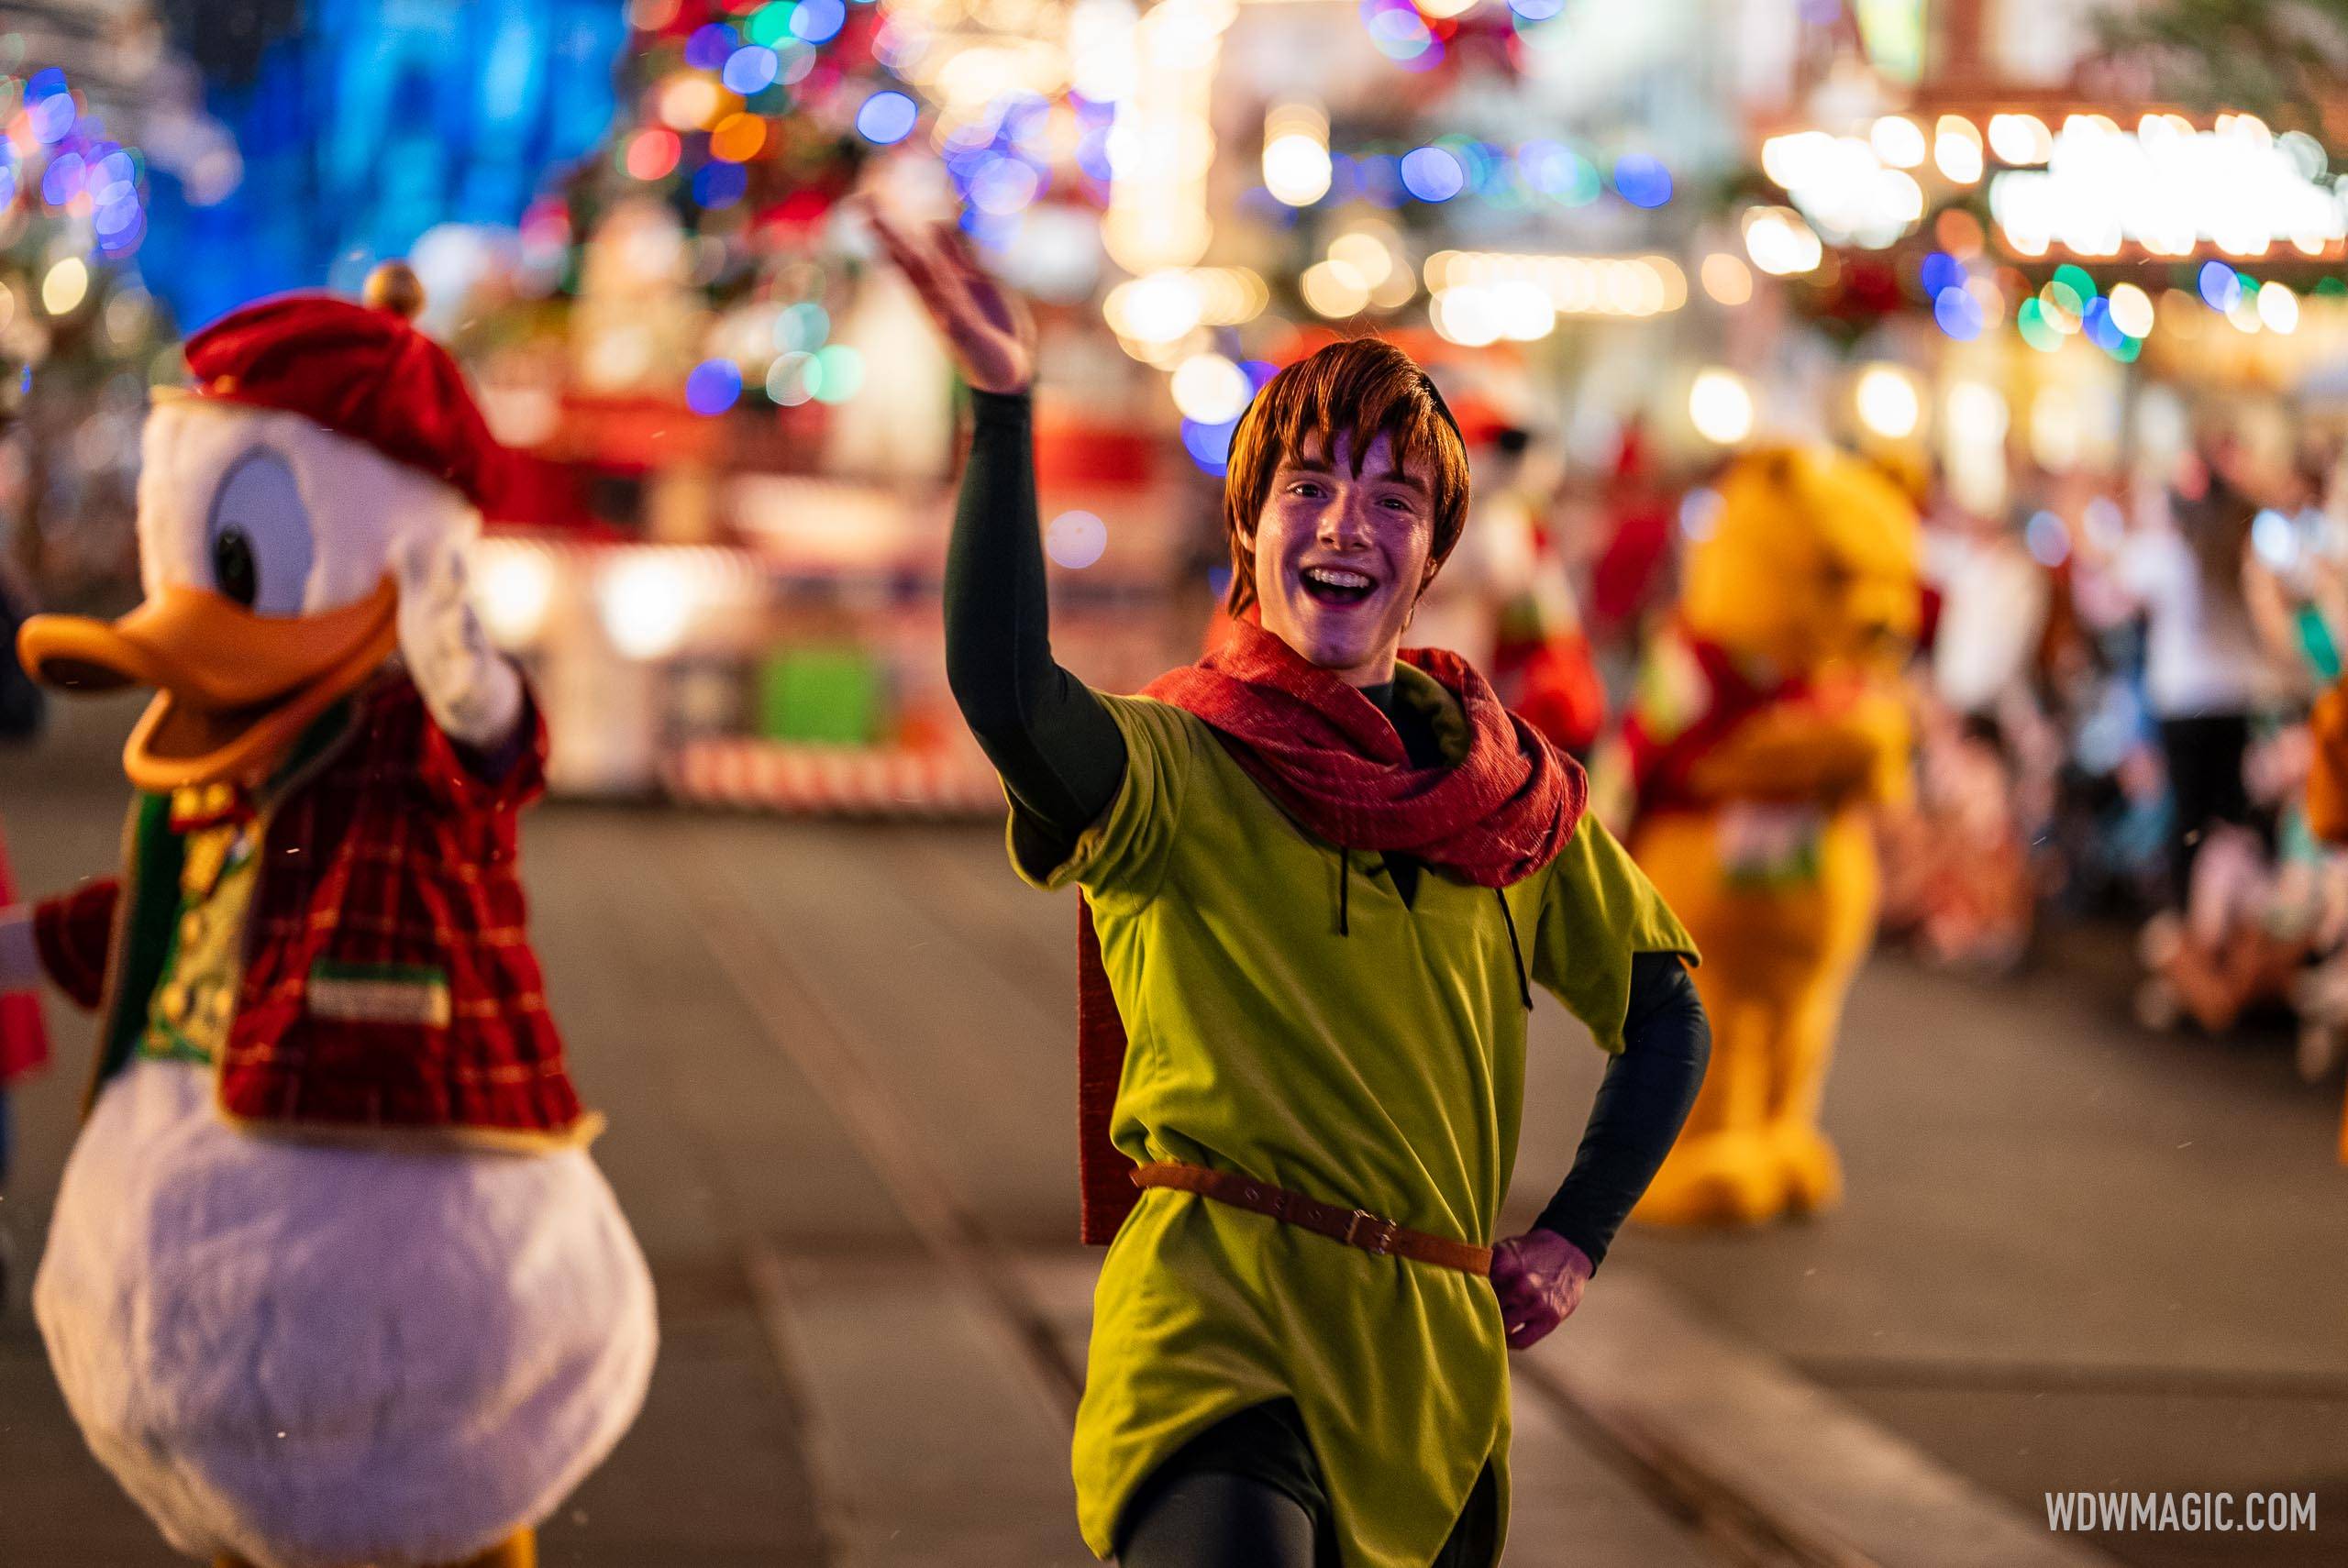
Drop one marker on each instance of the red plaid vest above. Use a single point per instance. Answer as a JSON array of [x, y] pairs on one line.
[[390, 986]]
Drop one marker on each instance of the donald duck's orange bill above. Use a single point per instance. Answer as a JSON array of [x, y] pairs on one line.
[[233, 688]]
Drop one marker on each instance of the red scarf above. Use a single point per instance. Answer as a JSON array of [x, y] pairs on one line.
[[1663, 765], [1330, 759]]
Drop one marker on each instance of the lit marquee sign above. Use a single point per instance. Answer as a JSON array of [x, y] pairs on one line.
[[2172, 190]]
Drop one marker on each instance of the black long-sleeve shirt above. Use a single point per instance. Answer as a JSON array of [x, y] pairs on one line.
[[1062, 758]]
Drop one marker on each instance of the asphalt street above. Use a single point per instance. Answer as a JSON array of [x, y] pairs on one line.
[[838, 1060]]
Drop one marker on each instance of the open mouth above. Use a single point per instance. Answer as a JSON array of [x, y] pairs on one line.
[[1337, 585]]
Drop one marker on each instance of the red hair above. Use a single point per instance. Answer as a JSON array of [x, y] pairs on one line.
[[1362, 388]]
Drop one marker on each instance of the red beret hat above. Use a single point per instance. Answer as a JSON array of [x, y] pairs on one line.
[[361, 370]]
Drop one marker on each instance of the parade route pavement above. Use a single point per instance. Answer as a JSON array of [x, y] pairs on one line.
[[838, 1064]]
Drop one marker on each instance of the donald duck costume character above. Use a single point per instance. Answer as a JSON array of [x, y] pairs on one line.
[[332, 1280]]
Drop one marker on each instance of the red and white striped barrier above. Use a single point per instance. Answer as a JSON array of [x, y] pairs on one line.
[[801, 779]]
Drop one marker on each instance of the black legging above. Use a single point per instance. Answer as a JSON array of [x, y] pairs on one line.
[[2204, 753], [1208, 1519], [1249, 1492]]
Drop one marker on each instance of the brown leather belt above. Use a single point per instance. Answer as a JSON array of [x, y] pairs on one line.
[[1355, 1227]]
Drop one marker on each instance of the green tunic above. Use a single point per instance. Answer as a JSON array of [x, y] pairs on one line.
[[1382, 1069]]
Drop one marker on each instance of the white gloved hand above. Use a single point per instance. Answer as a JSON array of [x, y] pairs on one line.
[[474, 693], [19, 954]]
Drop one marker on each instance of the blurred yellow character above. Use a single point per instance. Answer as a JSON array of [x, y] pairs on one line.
[[1769, 722]]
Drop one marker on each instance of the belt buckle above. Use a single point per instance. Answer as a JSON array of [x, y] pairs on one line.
[[1381, 1234]]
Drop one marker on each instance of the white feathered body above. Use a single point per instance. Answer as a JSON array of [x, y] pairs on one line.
[[316, 1355]]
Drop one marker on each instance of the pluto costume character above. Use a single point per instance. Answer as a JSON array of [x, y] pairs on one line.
[[1767, 724], [332, 1280]]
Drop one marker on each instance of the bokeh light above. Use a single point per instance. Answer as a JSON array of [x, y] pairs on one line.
[[817, 21], [2047, 538], [1335, 290], [515, 589], [1433, 174], [1780, 243], [1889, 401], [887, 117], [737, 139], [1208, 445], [1727, 279], [788, 383], [836, 374], [652, 154], [1898, 142], [708, 48], [1642, 181], [65, 286], [713, 386], [1721, 406], [1958, 314], [1297, 168], [1956, 150], [647, 604], [802, 326], [1076, 539], [2278, 308], [2131, 310], [1211, 389], [750, 68], [2221, 286], [720, 184]]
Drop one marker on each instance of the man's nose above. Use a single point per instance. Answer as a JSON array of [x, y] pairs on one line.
[[1343, 524]]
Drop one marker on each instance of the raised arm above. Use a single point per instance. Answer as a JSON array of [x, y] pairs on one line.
[[1060, 754]]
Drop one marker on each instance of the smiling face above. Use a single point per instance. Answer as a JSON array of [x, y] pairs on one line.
[[1347, 487], [1343, 550]]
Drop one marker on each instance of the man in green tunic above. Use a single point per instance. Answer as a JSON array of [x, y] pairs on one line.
[[1322, 880]]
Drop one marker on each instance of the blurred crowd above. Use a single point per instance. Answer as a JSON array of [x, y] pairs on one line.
[[2110, 696]]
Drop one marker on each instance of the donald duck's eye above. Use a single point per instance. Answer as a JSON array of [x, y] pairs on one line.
[[258, 544], [233, 567]]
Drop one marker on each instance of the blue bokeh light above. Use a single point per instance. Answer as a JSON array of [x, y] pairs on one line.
[[1208, 445], [713, 386], [750, 68], [1958, 314], [62, 180], [1940, 271], [708, 47], [2101, 329], [1381, 180], [1003, 185], [2048, 538], [2221, 286], [53, 117], [888, 117], [1642, 181], [720, 184], [1432, 175], [1397, 30], [817, 21]]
